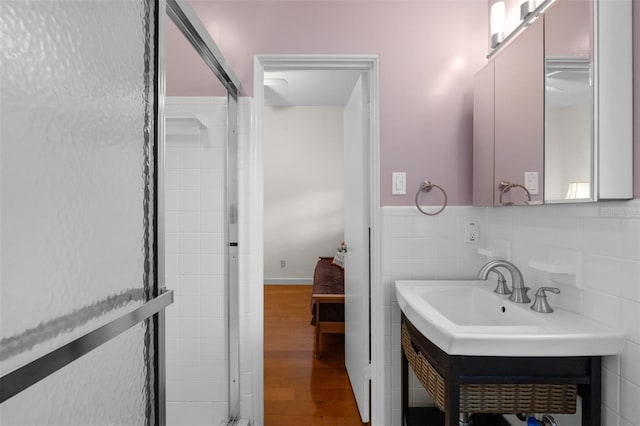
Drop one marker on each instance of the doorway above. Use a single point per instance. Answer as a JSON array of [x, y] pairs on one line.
[[362, 299]]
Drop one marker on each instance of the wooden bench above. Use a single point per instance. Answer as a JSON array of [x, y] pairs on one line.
[[327, 301]]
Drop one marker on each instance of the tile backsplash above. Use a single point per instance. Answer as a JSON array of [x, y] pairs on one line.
[[605, 237]]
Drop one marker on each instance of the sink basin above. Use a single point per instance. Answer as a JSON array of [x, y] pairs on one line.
[[465, 317]]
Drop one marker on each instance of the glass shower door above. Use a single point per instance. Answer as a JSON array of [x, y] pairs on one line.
[[78, 213]]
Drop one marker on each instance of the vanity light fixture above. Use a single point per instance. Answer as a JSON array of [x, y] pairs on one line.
[[498, 15], [526, 7]]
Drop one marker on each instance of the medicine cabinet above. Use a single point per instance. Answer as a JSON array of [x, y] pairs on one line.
[[553, 109]]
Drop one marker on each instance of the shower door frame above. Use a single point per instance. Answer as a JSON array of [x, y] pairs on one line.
[[190, 25]]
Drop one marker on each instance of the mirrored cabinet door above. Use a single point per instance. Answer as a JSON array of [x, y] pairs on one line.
[[568, 62], [519, 126], [483, 136]]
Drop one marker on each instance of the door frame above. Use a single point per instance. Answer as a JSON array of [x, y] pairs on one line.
[[254, 191]]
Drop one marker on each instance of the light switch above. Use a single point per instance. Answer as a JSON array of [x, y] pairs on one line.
[[531, 182], [398, 183]]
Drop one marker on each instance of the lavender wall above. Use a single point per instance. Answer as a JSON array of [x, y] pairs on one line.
[[636, 98], [428, 51]]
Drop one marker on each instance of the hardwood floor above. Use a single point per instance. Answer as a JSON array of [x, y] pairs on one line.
[[298, 389]]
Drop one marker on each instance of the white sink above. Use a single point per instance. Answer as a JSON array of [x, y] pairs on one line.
[[466, 317]]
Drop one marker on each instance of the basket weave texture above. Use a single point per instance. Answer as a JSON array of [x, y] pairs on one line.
[[492, 397]]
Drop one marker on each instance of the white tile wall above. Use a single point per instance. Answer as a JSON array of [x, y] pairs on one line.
[[197, 383], [606, 235], [419, 246]]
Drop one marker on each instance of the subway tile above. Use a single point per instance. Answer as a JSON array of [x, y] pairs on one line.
[[630, 239], [171, 198], [183, 370], [211, 180], [213, 158], [610, 389], [171, 242], [212, 328], [170, 179], [630, 279], [213, 349], [631, 362], [189, 201], [171, 222], [188, 349], [211, 243], [188, 157], [212, 306], [171, 327], [188, 222], [188, 328], [213, 370], [171, 264], [172, 349], [212, 201], [188, 306], [401, 227], [189, 264], [211, 264], [189, 243], [402, 248], [211, 222], [629, 406], [446, 226], [189, 179], [189, 285], [568, 232], [602, 307], [630, 320], [602, 274], [171, 157], [602, 236], [190, 414], [211, 284], [445, 248], [422, 227]]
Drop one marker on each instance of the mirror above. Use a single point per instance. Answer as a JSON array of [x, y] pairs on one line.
[[553, 109], [568, 103]]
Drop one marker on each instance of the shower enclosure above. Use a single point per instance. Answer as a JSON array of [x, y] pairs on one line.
[[82, 290]]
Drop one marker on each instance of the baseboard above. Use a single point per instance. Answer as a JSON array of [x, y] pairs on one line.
[[288, 281]]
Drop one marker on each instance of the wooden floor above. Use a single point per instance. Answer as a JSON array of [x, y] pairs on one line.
[[298, 389]]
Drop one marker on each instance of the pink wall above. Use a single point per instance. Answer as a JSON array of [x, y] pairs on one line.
[[636, 97], [429, 52]]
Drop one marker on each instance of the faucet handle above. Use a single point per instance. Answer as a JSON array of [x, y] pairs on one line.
[[501, 287], [541, 304]]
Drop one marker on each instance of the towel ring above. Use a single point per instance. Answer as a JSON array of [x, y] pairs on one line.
[[505, 186], [427, 186]]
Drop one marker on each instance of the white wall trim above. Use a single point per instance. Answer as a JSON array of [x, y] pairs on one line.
[[368, 64]]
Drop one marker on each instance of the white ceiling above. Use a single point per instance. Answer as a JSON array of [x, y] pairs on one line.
[[309, 87]]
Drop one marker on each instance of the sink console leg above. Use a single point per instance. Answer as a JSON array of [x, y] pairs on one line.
[[591, 395], [405, 388]]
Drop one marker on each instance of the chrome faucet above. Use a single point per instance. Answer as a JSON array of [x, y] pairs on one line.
[[518, 290]]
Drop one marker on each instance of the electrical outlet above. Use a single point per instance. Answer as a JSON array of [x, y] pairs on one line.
[[283, 264], [471, 233]]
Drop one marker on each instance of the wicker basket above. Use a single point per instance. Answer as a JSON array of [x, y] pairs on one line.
[[495, 397]]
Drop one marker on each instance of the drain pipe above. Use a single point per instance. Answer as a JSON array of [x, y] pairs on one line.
[[464, 420]]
